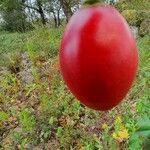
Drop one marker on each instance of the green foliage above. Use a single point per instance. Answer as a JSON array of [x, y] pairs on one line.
[[130, 16], [41, 43], [44, 43], [3, 116], [141, 136], [10, 44], [134, 5], [90, 2], [27, 120], [145, 27], [90, 142], [135, 17], [44, 112], [139, 18], [14, 16], [65, 136]]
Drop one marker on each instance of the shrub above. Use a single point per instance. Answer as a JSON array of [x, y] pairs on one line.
[[134, 17], [134, 4], [145, 27], [130, 16]]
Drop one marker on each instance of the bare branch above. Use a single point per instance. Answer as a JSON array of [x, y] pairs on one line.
[[31, 7]]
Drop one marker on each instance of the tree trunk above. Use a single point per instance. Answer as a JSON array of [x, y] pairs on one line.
[[22, 17], [58, 18], [41, 12], [30, 13], [55, 19], [66, 9]]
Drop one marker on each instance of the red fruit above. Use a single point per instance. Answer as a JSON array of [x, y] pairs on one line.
[[98, 57]]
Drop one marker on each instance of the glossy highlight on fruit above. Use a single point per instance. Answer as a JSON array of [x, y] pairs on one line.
[[98, 57]]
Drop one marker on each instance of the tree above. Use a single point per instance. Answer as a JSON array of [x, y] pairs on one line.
[[38, 7], [17, 14], [40, 10], [54, 8], [134, 4], [67, 6], [14, 16]]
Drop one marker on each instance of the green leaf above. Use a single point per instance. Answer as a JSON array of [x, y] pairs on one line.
[[146, 144], [3, 116], [144, 124], [144, 134], [90, 2], [135, 142]]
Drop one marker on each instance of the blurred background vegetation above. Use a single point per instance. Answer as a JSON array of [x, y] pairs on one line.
[[23, 15], [37, 112]]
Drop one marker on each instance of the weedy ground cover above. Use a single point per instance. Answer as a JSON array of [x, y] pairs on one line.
[[38, 112]]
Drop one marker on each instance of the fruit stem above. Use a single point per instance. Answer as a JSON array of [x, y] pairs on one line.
[[90, 2]]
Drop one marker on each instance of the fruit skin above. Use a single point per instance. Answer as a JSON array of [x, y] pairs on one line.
[[98, 57]]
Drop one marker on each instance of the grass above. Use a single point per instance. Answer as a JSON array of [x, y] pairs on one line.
[[44, 114], [41, 40]]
